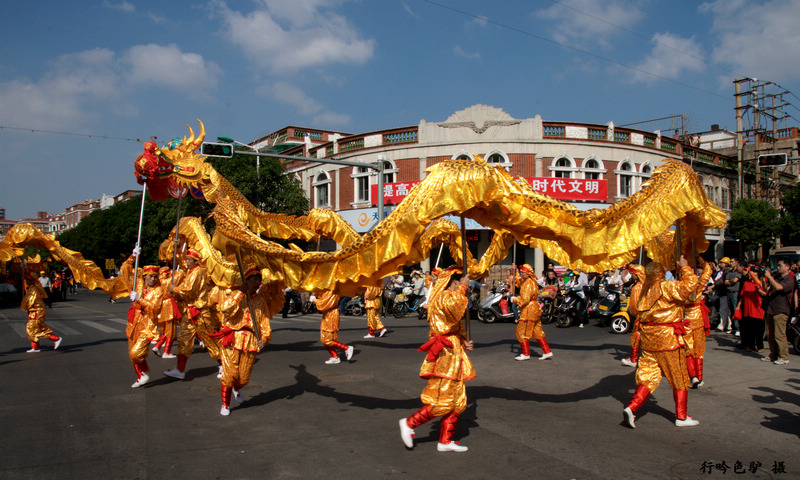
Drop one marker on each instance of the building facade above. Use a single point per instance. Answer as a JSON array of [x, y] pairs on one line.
[[546, 153]]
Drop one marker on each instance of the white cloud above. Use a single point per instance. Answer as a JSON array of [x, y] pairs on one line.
[[671, 57], [591, 20], [305, 105], [123, 6], [80, 87], [295, 34], [480, 21], [408, 10], [757, 39], [170, 67], [461, 53]]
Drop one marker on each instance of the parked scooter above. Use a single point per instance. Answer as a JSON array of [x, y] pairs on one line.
[[793, 333], [609, 303], [622, 320], [355, 306], [496, 306], [550, 297], [310, 305], [567, 313]]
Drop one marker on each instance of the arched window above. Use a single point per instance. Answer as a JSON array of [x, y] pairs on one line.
[[322, 188], [389, 171], [360, 178], [592, 169], [462, 155], [625, 179], [498, 158], [563, 167]]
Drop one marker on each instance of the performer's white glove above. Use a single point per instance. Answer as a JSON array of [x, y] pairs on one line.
[[513, 299], [134, 296], [137, 251]]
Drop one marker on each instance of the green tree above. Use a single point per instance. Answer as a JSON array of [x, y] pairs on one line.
[[111, 233], [753, 222], [790, 219]]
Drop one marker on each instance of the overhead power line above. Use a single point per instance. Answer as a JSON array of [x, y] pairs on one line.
[[72, 134]]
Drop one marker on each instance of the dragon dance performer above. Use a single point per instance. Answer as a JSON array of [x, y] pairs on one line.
[[662, 328], [237, 337], [192, 297], [446, 366], [33, 303], [530, 319], [696, 312], [143, 314], [372, 298], [633, 360], [328, 305], [170, 313]]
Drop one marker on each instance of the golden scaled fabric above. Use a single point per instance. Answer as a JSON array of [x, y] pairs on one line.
[[654, 365], [528, 301], [658, 317], [85, 271], [594, 240], [236, 317], [444, 315], [328, 305]]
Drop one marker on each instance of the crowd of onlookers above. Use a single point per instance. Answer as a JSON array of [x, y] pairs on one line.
[[56, 286]]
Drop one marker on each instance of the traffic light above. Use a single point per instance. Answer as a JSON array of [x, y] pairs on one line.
[[216, 150], [772, 160]]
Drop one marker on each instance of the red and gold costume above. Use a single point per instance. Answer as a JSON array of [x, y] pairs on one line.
[[142, 315], [635, 339], [446, 366], [192, 297], [33, 303], [696, 312], [530, 318], [372, 299], [662, 328], [237, 335], [328, 305], [171, 313]]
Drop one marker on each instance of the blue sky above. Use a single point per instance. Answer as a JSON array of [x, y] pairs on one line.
[[81, 80]]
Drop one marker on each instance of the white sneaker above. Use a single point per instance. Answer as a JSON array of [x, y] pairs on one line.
[[450, 447], [382, 332], [224, 411], [333, 361], [142, 380], [522, 356], [349, 352], [219, 374], [628, 417], [175, 373], [689, 422], [627, 361], [169, 355], [545, 356], [33, 350], [369, 336], [58, 342], [695, 382], [406, 434], [237, 395]]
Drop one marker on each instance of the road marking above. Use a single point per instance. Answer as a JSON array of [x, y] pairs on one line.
[[61, 328], [118, 320], [99, 326], [293, 320]]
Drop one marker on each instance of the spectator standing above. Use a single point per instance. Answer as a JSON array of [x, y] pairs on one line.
[[749, 309], [777, 312], [47, 285]]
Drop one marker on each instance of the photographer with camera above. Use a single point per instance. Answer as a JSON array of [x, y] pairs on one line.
[[749, 310], [777, 312]]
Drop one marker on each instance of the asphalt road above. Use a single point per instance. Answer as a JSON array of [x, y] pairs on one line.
[[71, 413]]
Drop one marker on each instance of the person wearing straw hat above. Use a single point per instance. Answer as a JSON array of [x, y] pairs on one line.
[[530, 318], [34, 303], [447, 366], [144, 311]]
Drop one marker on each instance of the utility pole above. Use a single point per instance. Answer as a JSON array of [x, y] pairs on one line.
[[739, 136]]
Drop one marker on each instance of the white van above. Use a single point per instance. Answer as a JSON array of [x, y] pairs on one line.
[[791, 254]]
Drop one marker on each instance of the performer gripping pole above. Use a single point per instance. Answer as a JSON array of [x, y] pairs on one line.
[[175, 250], [465, 271]]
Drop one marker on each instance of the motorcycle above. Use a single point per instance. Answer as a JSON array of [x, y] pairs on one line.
[[549, 300], [622, 320], [310, 305], [793, 333], [496, 306], [608, 304], [355, 306], [567, 312], [293, 303]]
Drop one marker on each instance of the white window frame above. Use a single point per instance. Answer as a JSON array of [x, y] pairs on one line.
[[555, 170], [361, 175], [322, 180], [620, 172], [600, 171]]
